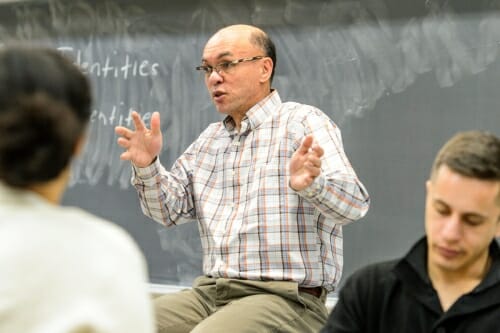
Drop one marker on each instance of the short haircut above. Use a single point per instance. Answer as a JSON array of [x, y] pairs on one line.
[[263, 41], [474, 154], [45, 103]]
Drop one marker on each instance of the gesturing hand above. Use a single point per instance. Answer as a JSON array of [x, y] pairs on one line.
[[305, 164], [142, 145]]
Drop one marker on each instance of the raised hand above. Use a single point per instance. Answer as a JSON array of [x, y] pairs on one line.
[[141, 145], [305, 164]]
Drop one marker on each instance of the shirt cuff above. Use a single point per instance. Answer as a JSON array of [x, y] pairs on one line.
[[314, 189], [147, 174]]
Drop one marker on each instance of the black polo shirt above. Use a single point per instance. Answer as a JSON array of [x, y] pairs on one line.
[[397, 296]]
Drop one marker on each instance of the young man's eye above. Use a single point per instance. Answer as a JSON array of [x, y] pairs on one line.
[[441, 210], [473, 221]]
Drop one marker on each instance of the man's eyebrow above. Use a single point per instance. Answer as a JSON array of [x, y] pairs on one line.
[[220, 55], [440, 201], [466, 214]]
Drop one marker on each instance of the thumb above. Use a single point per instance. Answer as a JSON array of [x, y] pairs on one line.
[[305, 145]]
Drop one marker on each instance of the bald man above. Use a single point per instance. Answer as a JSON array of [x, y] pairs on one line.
[[270, 186]]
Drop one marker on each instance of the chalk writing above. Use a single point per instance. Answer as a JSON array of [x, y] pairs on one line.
[[113, 66]]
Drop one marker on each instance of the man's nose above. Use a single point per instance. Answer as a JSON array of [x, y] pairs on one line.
[[214, 77], [452, 228]]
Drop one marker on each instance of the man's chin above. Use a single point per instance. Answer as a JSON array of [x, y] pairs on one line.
[[445, 265]]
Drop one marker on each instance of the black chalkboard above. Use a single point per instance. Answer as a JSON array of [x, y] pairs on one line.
[[398, 76]]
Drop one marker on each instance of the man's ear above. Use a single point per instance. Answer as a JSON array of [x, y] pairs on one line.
[[266, 69], [80, 145], [498, 219], [498, 228]]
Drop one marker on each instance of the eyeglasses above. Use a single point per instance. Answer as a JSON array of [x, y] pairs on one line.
[[225, 66]]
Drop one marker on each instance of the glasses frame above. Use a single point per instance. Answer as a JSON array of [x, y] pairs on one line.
[[223, 67]]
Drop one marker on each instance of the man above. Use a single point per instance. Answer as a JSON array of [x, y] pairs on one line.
[[269, 199], [450, 280]]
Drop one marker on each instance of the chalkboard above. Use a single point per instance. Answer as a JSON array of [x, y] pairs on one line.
[[399, 78]]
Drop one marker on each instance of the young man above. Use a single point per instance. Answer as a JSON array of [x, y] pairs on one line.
[[269, 200], [450, 280]]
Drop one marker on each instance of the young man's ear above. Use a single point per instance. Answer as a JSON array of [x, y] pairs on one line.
[[428, 185]]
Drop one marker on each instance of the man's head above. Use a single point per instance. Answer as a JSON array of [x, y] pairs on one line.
[[463, 203], [238, 63], [45, 106]]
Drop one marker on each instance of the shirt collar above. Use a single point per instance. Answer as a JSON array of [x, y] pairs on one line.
[[13, 196], [257, 114], [417, 260]]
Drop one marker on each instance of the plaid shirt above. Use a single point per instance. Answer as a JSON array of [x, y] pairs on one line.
[[235, 184]]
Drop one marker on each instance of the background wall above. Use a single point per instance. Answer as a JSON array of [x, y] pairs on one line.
[[398, 77]]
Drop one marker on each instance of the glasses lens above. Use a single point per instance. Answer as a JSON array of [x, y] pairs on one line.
[[205, 70], [224, 67]]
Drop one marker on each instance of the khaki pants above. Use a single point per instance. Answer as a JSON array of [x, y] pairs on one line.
[[234, 306]]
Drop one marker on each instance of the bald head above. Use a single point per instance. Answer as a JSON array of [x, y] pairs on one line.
[[256, 37], [240, 29]]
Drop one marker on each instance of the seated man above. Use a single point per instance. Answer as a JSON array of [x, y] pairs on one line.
[[270, 187], [450, 280]]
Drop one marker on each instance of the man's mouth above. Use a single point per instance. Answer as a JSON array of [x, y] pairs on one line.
[[217, 95]]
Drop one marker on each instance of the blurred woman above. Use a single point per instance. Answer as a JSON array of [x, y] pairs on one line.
[[61, 269]]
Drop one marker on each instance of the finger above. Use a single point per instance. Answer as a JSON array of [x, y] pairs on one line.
[[312, 170], [155, 123], [123, 131], [124, 143], [138, 123], [125, 156], [315, 161], [315, 172], [317, 150]]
